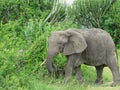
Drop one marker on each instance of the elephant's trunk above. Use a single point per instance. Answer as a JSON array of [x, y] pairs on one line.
[[49, 63]]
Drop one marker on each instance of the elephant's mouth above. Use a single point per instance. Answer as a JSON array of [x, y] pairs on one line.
[[61, 48]]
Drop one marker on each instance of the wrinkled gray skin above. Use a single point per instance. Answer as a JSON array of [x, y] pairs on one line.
[[93, 47]]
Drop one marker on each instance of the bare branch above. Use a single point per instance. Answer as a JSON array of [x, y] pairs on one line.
[[43, 63]]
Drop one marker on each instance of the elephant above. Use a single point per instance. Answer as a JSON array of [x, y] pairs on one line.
[[94, 47]]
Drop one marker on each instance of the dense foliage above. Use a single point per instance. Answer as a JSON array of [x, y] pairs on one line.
[[110, 22], [24, 29]]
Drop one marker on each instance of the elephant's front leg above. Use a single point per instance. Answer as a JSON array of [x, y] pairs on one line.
[[78, 74], [69, 68]]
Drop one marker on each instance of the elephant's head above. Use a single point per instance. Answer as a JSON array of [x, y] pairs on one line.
[[68, 42]]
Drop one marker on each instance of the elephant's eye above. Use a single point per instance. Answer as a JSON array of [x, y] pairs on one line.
[[60, 43]]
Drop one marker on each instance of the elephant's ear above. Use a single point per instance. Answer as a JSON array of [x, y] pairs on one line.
[[76, 43]]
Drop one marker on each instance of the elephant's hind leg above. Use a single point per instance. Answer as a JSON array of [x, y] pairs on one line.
[[99, 71], [113, 65]]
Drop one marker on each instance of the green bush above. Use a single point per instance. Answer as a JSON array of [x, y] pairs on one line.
[[25, 10], [22, 51]]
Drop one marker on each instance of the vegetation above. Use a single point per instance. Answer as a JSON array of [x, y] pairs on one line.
[[24, 29]]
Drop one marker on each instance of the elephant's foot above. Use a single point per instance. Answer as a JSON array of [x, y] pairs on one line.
[[99, 81], [115, 83], [81, 81], [67, 80]]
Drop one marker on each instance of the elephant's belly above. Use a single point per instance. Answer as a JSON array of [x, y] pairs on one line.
[[95, 59], [94, 63]]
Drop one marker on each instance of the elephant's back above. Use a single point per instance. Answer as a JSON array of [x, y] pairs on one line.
[[98, 36]]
